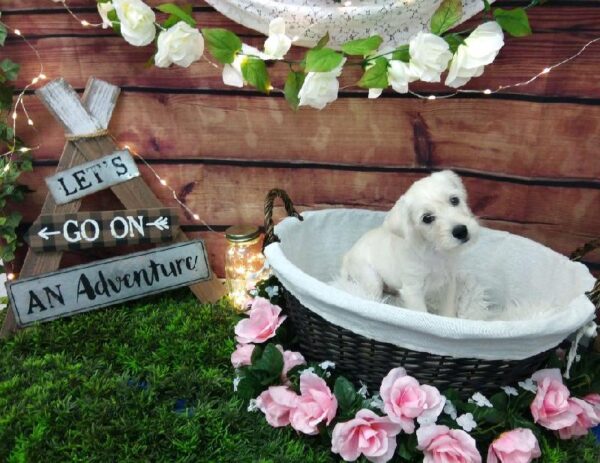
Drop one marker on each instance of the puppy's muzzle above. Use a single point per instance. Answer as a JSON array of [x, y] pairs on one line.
[[461, 232]]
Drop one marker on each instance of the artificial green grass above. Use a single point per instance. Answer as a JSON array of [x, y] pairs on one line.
[[149, 382]]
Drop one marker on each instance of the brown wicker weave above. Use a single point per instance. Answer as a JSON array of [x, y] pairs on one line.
[[363, 359]]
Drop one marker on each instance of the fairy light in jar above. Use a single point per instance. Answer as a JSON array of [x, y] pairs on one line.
[[244, 262]]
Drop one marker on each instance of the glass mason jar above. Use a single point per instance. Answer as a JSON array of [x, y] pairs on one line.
[[244, 262]]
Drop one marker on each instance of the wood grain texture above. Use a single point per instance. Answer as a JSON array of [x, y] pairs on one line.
[[225, 195], [96, 55], [516, 138]]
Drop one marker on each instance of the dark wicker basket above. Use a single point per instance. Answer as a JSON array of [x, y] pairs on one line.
[[363, 359]]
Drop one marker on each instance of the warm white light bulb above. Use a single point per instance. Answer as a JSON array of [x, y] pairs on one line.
[[42, 76], [84, 23], [196, 217], [29, 121], [24, 149], [431, 97], [35, 80], [14, 115], [487, 91], [546, 70], [163, 182], [17, 32], [10, 276]]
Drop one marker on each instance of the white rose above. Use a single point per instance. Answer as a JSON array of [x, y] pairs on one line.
[[399, 76], [103, 10], [429, 56], [277, 44], [320, 88], [136, 20], [479, 49], [181, 44]]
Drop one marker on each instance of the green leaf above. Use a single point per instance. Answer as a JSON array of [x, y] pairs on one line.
[[402, 54], [178, 12], [486, 5], [270, 363], [375, 76], [446, 16], [173, 19], [345, 394], [3, 34], [293, 84], [6, 97], [322, 42], [222, 44], [255, 73], [515, 22], [322, 60], [249, 387], [114, 19], [10, 68], [454, 41], [362, 47]]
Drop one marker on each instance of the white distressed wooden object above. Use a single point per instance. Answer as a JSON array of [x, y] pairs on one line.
[[90, 177], [107, 282]]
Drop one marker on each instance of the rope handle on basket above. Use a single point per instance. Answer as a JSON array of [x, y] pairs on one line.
[[270, 236], [577, 255]]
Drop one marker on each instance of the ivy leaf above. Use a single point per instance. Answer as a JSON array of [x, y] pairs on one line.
[[9, 68], [255, 73], [446, 16], [376, 76], [362, 47], [322, 42], [402, 54], [293, 84], [222, 44], [454, 41], [3, 34], [177, 12], [6, 97], [515, 22], [323, 60]]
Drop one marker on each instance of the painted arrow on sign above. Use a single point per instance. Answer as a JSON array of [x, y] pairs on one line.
[[85, 230]]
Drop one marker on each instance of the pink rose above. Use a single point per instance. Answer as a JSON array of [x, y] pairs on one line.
[[551, 407], [367, 434], [262, 323], [517, 446], [405, 399], [277, 403], [315, 404], [441, 444], [291, 359], [594, 401], [242, 355], [587, 417]]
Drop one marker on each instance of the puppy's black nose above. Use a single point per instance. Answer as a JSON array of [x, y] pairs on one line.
[[460, 232]]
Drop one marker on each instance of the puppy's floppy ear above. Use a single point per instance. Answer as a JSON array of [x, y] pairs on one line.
[[398, 218], [452, 178]]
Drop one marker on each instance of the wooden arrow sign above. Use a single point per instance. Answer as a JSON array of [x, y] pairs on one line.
[[107, 282], [84, 230]]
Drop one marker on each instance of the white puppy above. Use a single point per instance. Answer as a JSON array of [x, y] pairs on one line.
[[412, 253]]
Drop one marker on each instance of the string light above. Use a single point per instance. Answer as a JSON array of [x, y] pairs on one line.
[[10, 276]]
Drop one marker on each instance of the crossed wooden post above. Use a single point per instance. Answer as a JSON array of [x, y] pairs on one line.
[[91, 115]]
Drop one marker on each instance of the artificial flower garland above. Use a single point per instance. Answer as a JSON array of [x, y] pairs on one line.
[[313, 81], [405, 418]]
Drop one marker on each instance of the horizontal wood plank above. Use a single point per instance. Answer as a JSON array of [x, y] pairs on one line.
[[224, 195], [518, 61], [556, 141]]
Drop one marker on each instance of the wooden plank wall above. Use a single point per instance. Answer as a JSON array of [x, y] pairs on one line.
[[530, 158]]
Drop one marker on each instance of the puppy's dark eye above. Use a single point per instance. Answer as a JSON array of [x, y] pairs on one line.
[[454, 200], [428, 218]]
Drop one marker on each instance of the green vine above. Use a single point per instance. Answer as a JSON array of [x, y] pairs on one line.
[[14, 160]]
